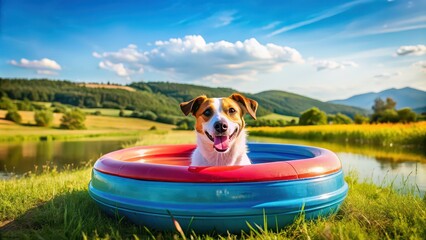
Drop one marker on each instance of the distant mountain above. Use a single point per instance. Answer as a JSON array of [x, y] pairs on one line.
[[404, 97]]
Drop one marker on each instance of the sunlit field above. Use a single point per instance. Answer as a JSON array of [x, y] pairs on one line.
[[413, 135]]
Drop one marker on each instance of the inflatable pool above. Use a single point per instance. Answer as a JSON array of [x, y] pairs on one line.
[[148, 184]]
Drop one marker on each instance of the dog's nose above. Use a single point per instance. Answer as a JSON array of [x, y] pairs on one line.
[[220, 127]]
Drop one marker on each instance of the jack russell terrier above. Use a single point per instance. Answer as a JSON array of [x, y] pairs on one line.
[[221, 137]]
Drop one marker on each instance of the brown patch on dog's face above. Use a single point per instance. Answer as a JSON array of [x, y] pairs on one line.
[[233, 111], [204, 114]]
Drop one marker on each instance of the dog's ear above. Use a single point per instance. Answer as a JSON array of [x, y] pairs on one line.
[[192, 105], [248, 104]]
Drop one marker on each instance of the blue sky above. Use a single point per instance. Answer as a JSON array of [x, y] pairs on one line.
[[322, 49]]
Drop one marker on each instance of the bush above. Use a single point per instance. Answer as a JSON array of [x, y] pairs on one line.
[[406, 115], [25, 105], [73, 119], [59, 108], [14, 116], [186, 124], [149, 115], [389, 115], [167, 119], [6, 103], [97, 113], [360, 119], [43, 118], [121, 113], [341, 118], [313, 116]]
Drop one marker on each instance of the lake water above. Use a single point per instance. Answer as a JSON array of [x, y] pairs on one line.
[[381, 166]]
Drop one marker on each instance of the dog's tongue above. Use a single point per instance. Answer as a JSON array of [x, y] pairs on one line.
[[221, 142]]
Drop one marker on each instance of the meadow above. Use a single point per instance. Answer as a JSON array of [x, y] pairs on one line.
[[56, 205], [385, 135], [97, 126]]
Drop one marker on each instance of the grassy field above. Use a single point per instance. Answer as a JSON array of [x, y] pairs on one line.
[[106, 111], [97, 126], [410, 135], [274, 116], [57, 206]]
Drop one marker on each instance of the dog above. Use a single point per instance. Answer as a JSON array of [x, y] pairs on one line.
[[219, 126]]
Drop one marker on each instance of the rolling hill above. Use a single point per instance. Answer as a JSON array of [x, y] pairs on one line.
[[274, 101], [404, 97], [162, 98]]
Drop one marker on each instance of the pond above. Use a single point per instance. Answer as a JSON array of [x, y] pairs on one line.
[[380, 166], [22, 157]]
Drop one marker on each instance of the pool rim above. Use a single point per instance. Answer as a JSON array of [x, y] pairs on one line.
[[315, 162]]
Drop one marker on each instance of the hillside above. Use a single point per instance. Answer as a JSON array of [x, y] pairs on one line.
[[286, 103], [158, 97], [405, 97], [269, 101], [75, 94]]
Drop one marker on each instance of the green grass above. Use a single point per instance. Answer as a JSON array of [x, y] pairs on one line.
[[56, 205], [97, 126], [274, 116], [106, 111]]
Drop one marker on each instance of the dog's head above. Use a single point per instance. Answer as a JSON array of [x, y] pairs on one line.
[[220, 120]]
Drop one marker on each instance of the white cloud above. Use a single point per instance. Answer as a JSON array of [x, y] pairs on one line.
[[387, 75], [44, 63], [333, 65], [271, 25], [321, 16], [128, 54], [192, 58], [46, 72], [223, 19], [416, 50], [421, 65], [118, 68]]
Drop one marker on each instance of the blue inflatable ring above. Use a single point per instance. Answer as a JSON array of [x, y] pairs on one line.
[[150, 184]]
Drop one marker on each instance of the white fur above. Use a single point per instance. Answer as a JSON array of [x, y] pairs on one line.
[[206, 155]]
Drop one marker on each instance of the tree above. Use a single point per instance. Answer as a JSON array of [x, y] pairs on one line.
[[379, 106], [43, 118], [6, 103], [186, 124], [149, 115], [388, 116], [384, 111], [342, 119], [360, 119], [406, 115], [73, 119], [313, 116], [14, 116], [121, 113]]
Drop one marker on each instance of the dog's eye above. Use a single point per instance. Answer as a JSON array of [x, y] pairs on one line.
[[207, 112], [232, 110]]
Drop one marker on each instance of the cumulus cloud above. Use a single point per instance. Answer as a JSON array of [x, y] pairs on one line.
[[416, 50], [118, 68], [333, 65], [44, 63], [421, 65], [193, 58], [43, 66], [387, 75]]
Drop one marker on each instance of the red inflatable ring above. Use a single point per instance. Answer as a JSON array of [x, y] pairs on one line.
[[170, 163]]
